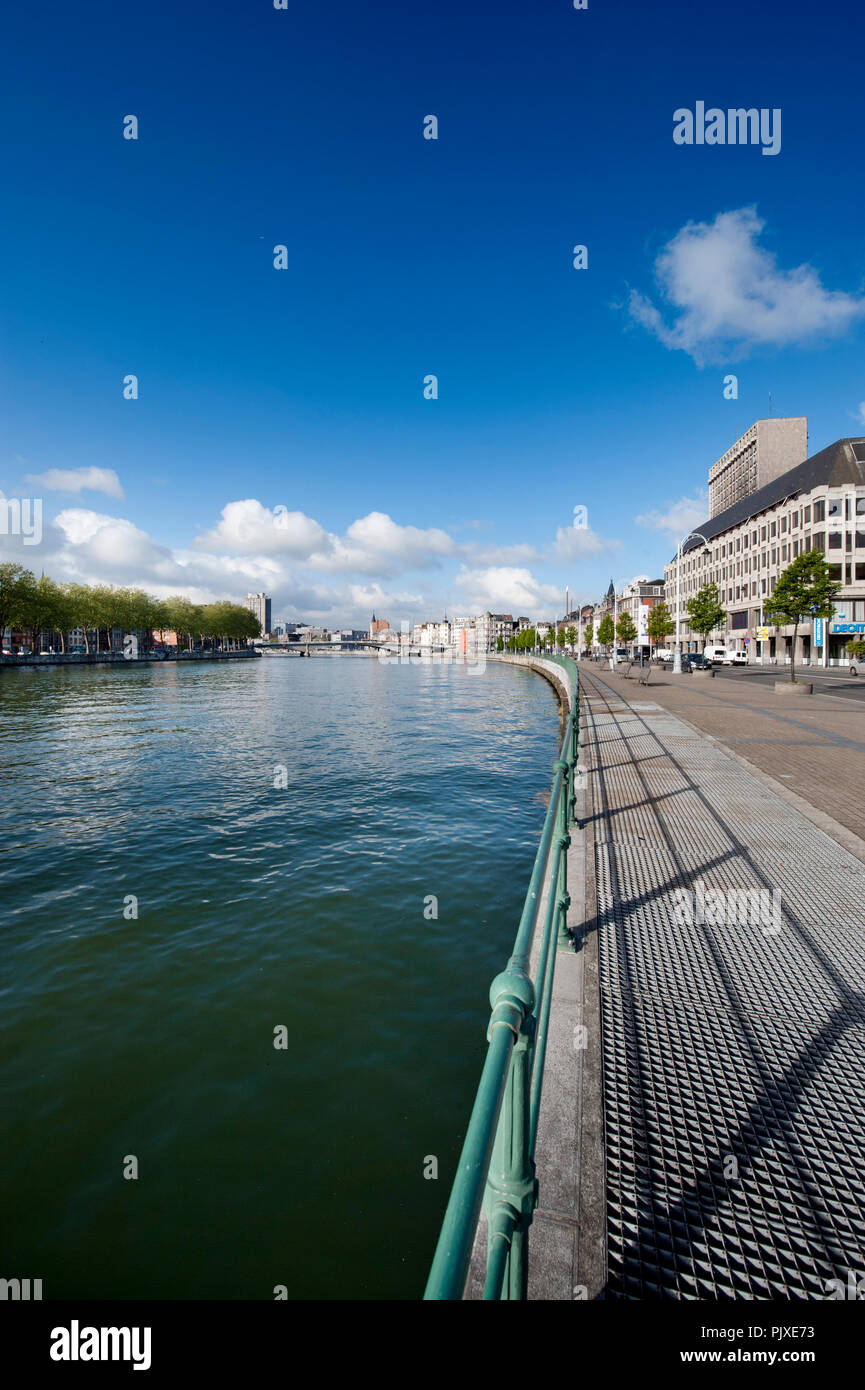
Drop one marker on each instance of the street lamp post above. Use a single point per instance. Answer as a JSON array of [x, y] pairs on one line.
[[677, 654]]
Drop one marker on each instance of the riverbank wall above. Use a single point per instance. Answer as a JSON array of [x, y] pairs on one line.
[[118, 659]]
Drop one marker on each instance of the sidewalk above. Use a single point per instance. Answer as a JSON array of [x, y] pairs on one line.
[[732, 970], [814, 746]]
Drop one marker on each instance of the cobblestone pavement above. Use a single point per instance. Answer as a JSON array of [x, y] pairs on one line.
[[732, 968]]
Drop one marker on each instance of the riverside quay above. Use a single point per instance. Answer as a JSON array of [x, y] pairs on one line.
[[768, 504]]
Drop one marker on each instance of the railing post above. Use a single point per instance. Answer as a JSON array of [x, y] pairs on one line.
[[512, 1191], [560, 888]]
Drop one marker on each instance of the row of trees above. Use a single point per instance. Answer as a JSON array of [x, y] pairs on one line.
[[45, 609], [803, 591], [530, 639]]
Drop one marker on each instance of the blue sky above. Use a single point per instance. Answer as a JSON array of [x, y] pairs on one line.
[[303, 388]]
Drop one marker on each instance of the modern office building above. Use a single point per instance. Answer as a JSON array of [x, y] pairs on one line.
[[765, 451], [819, 504]]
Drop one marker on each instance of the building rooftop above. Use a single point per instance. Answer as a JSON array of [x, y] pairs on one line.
[[842, 462]]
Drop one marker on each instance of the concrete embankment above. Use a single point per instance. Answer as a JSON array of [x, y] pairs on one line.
[[117, 659], [567, 1244]]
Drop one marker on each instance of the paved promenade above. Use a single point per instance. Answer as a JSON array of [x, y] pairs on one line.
[[815, 746], [730, 930]]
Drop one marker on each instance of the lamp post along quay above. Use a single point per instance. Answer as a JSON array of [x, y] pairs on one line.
[[677, 655]]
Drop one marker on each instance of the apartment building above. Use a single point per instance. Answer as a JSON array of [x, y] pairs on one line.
[[818, 504], [638, 599], [490, 627]]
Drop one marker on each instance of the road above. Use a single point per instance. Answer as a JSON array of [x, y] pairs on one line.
[[834, 681]]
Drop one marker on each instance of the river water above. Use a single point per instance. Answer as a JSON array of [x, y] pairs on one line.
[[278, 826]]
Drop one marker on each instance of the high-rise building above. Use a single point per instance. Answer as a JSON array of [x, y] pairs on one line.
[[765, 451], [259, 604], [744, 550]]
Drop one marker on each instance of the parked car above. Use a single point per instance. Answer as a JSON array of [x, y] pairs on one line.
[[738, 658], [663, 654], [696, 661], [716, 655], [857, 666]]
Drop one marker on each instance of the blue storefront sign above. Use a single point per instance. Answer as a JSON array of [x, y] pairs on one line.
[[846, 627]]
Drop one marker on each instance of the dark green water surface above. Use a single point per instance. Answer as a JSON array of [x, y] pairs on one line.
[[258, 906]]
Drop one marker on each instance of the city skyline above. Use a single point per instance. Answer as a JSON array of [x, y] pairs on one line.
[[278, 436]]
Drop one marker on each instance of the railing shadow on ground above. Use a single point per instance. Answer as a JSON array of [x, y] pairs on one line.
[[769, 1119]]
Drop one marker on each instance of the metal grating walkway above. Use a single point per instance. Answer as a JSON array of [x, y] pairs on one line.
[[733, 1052]]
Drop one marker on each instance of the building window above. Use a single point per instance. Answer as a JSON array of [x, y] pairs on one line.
[[783, 524], [806, 516], [773, 529], [834, 540], [820, 511], [835, 573], [818, 541]]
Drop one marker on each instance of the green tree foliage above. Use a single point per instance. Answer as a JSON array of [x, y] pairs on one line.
[[590, 634], [803, 591], [625, 630], [705, 611], [43, 607], [606, 631], [15, 583], [661, 623]]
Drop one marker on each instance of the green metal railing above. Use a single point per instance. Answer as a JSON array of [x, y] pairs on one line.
[[496, 1170]]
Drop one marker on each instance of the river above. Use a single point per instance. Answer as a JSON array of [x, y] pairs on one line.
[[280, 828]]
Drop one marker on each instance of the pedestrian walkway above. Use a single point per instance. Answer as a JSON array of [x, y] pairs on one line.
[[732, 966], [815, 745]]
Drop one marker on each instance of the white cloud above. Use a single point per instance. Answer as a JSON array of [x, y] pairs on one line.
[[374, 544], [679, 518], [729, 294], [79, 480], [860, 413], [508, 589], [574, 542], [249, 525]]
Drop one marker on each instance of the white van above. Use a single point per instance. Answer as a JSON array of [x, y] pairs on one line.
[[717, 656]]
